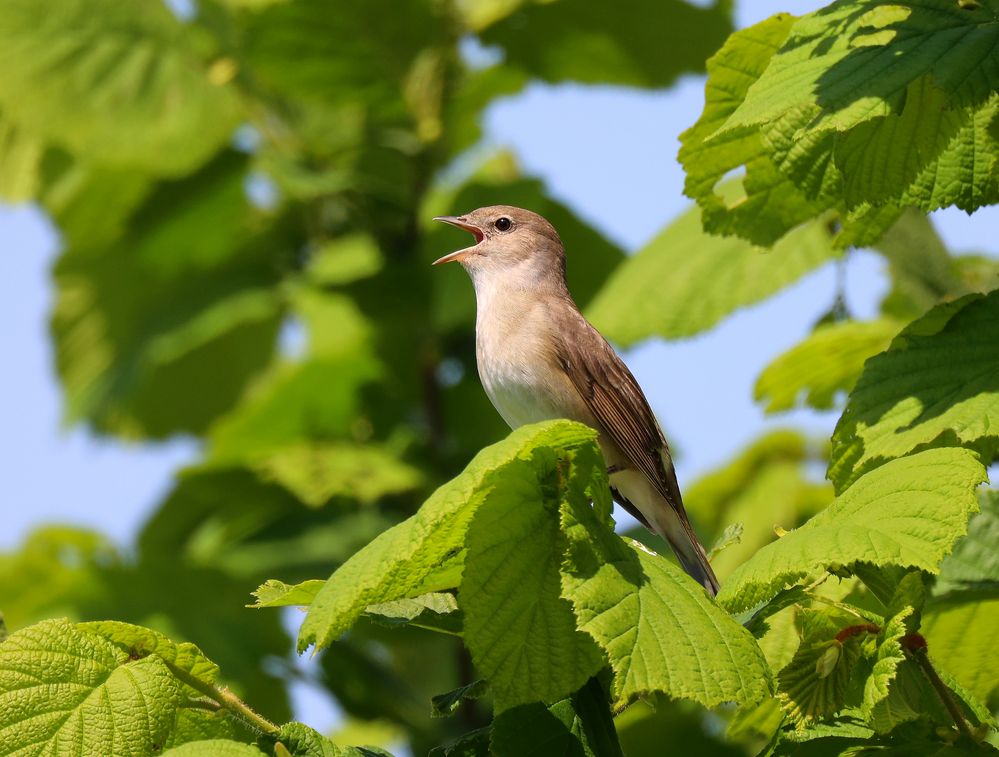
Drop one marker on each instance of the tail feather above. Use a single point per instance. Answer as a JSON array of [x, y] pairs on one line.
[[660, 517], [695, 562]]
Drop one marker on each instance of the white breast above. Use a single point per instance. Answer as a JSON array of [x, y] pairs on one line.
[[512, 367]]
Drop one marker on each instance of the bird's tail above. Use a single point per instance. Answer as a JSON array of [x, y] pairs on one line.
[[692, 558]]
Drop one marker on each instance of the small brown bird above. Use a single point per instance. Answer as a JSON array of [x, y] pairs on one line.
[[540, 359]]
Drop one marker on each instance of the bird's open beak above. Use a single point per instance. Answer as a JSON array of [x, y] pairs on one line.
[[462, 223]]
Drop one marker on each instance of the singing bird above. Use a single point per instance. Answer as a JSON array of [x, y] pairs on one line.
[[540, 359]]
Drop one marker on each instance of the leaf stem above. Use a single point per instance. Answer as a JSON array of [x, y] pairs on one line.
[[227, 700], [915, 645]]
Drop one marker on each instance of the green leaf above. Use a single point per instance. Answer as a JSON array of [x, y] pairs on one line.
[[921, 267], [960, 637], [658, 628], [472, 744], [974, 561], [769, 204], [887, 658], [813, 685], [933, 386], [854, 59], [827, 362], [300, 740], [908, 512], [436, 611], [20, 158], [118, 83], [214, 748], [274, 593], [520, 631], [66, 691], [863, 103], [318, 471], [666, 291], [160, 332], [577, 726], [580, 41], [396, 564], [445, 705]]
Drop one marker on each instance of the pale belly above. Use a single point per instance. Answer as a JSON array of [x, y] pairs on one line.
[[517, 393]]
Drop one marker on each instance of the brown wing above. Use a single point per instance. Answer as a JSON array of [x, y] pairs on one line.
[[616, 400]]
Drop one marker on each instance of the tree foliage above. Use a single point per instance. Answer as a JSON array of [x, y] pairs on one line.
[[243, 191]]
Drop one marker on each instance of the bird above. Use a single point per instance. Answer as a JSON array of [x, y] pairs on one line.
[[539, 359]]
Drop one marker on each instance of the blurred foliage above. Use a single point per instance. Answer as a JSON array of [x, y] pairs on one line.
[[243, 191]]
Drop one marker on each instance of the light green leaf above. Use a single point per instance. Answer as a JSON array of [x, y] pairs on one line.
[[318, 471], [827, 362], [813, 685], [274, 593], [66, 691], [685, 281], [975, 561], [874, 103], [886, 660], [960, 637], [20, 158], [300, 740], [769, 204], [855, 58], [161, 331], [344, 260], [580, 41], [119, 83], [445, 705], [520, 631], [934, 385], [921, 267], [436, 611], [659, 629], [214, 748], [576, 726], [909, 512], [396, 564]]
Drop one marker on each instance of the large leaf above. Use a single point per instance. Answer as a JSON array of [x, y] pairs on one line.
[[397, 563], [66, 691], [659, 629], [909, 512], [829, 361], [938, 384], [685, 281], [583, 41], [974, 562], [160, 332], [120, 83], [770, 204], [960, 637], [876, 103], [576, 726], [519, 629]]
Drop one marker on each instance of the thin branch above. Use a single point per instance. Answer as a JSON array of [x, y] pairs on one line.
[[227, 700], [915, 646]]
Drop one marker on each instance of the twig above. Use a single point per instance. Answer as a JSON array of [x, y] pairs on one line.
[[915, 646], [226, 699]]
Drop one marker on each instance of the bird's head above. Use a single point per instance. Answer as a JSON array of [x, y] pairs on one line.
[[507, 239]]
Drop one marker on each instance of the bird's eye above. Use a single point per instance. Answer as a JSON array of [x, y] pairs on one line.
[[503, 223]]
